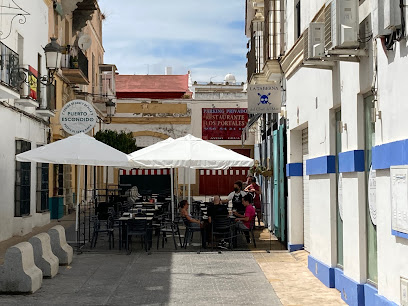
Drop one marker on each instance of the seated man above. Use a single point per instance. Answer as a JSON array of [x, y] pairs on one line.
[[243, 222], [217, 209]]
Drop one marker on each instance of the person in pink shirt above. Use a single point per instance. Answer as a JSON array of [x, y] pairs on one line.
[[243, 222]]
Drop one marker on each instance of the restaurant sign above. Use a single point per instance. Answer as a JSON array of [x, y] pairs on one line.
[[78, 116], [264, 98], [223, 123]]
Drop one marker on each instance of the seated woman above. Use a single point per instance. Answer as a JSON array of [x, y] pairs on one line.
[[192, 223], [186, 215]]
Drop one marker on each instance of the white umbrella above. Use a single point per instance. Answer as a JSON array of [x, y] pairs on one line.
[[151, 148], [194, 153], [79, 149]]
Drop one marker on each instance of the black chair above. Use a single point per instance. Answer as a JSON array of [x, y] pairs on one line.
[[169, 227], [103, 226], [136, 228], [222, 227], [188, 236], [250, 231]]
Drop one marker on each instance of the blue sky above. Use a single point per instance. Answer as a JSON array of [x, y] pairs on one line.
[[206, 37]]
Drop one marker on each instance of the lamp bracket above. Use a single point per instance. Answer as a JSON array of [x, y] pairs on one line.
[[45, 80], [13, 10]]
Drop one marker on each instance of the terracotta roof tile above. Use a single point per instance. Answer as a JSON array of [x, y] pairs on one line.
[[152, 83]]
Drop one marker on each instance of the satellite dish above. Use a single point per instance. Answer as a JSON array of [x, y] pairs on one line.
[[84, 42]]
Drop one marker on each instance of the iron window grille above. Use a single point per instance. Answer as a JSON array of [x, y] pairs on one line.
[[42, 187], [22, 182], [9, 67], [58, 180]]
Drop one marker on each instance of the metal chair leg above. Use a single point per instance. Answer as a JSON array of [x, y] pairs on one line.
[[253, 238], [174, 238]]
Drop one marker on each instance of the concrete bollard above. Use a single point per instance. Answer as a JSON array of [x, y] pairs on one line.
[[59, 245], [44, 258], [19, 274]]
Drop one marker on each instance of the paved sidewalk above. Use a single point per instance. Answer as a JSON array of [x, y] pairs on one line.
[[230, 278], [293, 282]]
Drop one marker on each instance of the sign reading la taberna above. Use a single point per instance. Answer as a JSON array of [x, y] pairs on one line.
[[78, 116], [264, 98]]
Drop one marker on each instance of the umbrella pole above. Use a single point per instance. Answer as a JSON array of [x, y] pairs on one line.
[[184, 183], [77, 205], [172, 193], [189, 187], [106, 185]]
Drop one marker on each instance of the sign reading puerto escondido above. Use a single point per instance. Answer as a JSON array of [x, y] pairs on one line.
[[264, 98], [78, 116]]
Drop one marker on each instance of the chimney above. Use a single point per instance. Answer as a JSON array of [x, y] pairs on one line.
[[168, 71]]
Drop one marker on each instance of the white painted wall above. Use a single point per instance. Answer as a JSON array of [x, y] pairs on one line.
[[308, 10], [345, 86], [392, 251], [392, 94], [14, 125], [302, 93]]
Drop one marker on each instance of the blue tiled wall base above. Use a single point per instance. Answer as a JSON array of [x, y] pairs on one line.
[[323, 272], [371, 297], [351, 161], [399, 234], [351, 292], [338, 273], [321, 165], [390, 154], [294, 169], [295, 247]]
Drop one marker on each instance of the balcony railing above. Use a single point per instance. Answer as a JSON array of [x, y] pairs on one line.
[[105, 88], [9, 69], [75, 66], [255, 54]]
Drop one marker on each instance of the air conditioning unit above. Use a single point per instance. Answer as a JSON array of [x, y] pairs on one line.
[[344, 24], [377, 19], [392, 14], [316, 40]]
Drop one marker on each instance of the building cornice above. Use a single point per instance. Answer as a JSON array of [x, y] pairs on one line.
[[151, 120]]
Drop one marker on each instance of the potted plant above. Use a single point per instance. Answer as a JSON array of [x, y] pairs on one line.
[[75, 62]]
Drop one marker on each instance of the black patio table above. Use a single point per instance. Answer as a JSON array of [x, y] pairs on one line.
[[123, 226]]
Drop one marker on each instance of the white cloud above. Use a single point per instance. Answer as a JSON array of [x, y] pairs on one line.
[[184, 34]]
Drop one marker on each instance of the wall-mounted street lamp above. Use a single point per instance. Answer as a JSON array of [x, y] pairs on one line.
[[52, 62], [110, 110], [52, 58]]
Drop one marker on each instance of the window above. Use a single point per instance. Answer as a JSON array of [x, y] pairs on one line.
[[22, 182], [42, 187], [297, 20]]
